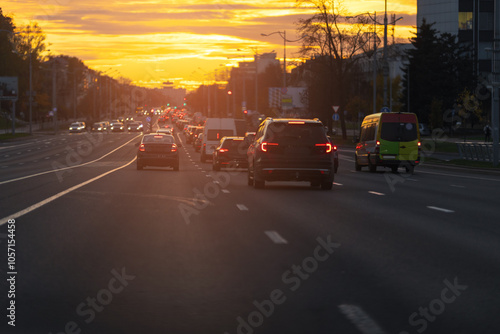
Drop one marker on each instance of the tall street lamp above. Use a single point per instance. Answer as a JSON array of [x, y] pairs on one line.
[[282, 35], [374, 20], [385, 65]]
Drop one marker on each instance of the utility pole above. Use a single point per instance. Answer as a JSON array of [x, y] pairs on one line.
[[375, 63], [495, 108], [54, 93], [385, 65]]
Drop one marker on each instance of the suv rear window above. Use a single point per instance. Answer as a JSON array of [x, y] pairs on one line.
[[236, 145], [281, 132]]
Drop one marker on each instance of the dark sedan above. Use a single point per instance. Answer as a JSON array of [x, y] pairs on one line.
[[135, 126], [231, 153], [117, 127], [158, 150]]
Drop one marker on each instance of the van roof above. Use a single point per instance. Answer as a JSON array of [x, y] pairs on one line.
[[393, 117]]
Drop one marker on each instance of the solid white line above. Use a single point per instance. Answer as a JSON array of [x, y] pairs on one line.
[[61, 169], [360, 319], [56, 196], [225, 191], [242, 207], [440, 209], [376, 193], [275, 237], [337, 184], [456, 186], [461, 176]]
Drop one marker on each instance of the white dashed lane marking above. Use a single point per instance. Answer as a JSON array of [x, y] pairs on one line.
[[440, 209], [376, 193], [242, 207], [276, 237], [359, 318]]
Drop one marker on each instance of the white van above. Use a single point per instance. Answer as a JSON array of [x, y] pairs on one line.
[[215, 129]]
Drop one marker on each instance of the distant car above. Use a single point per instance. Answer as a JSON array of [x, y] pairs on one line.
[[135, 126], [158, 150], [290, 149], [197, 142], [117, 127], [77, 127], [98, 127], [250, 136], [231, 153], [170, 128], [193, 134], [106, 125], [164, 131]]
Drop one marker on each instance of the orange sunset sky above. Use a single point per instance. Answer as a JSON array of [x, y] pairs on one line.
[[182, 41]]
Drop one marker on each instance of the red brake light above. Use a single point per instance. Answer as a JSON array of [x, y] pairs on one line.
[[419, 144], [222, 150], [142, 148], [296, 122], [174, 148], [264, 145], [328, 147], [378, 143], [158, 136]]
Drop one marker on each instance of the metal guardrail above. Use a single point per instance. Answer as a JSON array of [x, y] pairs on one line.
[[476, 151]]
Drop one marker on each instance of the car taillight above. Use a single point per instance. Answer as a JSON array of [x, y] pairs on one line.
[[174, 148], [377, 147], [142, 148], [222, 150], [328, 147], [265, 145]]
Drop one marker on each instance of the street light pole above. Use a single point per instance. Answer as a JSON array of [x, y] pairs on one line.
[[282, 35], [385, 65], [496, 104]]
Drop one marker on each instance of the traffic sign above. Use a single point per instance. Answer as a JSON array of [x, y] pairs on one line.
[[335, 117], [335, 108], [385, 109], [148, 119]]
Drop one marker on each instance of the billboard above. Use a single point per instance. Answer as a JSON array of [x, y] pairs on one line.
[[286, 98], [8, 88]]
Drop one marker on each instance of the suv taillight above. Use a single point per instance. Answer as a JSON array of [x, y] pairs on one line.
[[222, 150], [142, 148], [264, 146], [174, 148], [328, 147]]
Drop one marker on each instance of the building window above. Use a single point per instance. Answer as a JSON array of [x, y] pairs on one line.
[[486, 21], [465, 20]]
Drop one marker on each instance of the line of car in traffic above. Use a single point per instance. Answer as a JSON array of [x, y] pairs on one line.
[[291, 149], [106, 126]]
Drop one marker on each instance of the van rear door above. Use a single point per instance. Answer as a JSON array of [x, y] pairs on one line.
[[399, 137]]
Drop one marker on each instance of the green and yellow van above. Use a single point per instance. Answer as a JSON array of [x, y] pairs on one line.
[[389, 140]]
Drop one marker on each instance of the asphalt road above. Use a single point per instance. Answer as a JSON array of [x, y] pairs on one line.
[[103, 248]]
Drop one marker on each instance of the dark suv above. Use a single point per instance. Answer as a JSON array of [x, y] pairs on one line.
[[291, 150]]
